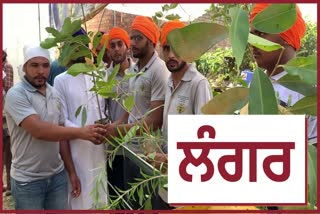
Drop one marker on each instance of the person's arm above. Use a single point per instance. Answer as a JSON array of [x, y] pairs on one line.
[[68, 163], [19, 107], [46, 131]]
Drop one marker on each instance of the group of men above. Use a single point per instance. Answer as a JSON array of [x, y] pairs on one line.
[[48, 138]]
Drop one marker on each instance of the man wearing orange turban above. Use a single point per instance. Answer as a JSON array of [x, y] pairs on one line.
[[187, 89], [106, 57], [118, 45], [167, 28], [291, 41], [148, 91], [185, 81]]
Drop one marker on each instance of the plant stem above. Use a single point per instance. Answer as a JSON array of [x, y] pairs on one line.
[[101, 19], [93, 77], [135, 187], [275, 67], [96, 95], [85, 25]]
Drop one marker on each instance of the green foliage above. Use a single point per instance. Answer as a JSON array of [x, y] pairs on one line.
[[219, 67], [304, 67], [238, 33], [276, 18], [190, 42], [312, 176], [262, 43], [262, 99], [295, 83], [220, 12], [227, 102], [307, 105], [164, 14], [309, 41]]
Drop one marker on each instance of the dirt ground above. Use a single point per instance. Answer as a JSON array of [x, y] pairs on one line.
[[8, 203]]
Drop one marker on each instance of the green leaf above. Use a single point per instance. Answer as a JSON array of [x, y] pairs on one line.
[[307, 105], [84, 117], [155, 20], [312, 175], [53, 31], [172, 6], [262, 43], [48, 43], [276, 18], [165, 7], [101, 53], [296, 84], [78, 111], [84, 39], [96, 39], [114, 72], [190, 42], [148, 205], [304, 67], [79, 68], [129, 75], [238, 33], [140, 195], [65, 30], [67, 52], [128, 103], [75, 26], [104, 94], [262, 99], [81, 52], [227, 102], [159, 14], [172, 16], [152, 155]]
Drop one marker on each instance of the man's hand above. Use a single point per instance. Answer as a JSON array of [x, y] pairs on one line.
[[159, 160], [111, 131], [94, 133], [76, 186]]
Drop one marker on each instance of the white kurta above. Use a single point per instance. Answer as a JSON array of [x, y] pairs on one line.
[[89, 159]]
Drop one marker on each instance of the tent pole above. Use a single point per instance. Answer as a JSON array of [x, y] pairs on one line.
[[39, 22]]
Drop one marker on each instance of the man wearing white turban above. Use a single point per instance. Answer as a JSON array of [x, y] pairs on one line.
[[38, 178]]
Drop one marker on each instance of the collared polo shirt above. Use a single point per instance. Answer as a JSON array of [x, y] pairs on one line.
[[188, 97], [115, 110], [32, 159], [147, 87]]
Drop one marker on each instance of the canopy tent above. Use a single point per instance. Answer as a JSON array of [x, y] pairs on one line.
[[187, 12]]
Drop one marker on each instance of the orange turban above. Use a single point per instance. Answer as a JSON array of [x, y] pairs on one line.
[[293, 35], [119, 33], [168, 27], [147, 27]]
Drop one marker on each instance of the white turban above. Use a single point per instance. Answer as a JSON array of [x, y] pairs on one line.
[[34, 51]]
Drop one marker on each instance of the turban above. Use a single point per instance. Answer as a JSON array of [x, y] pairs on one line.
[[119, 33], [147, 27], [293, 35], [81, 31], [35, 51], [168, 27]]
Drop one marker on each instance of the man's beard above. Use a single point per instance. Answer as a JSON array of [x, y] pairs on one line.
[[181, 65]]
